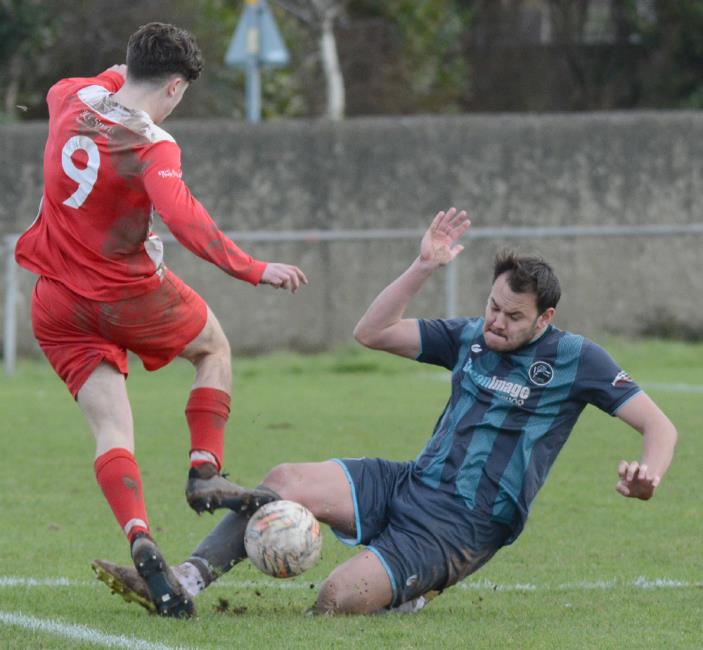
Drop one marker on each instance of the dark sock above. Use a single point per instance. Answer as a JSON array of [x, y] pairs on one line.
[[224, 546]]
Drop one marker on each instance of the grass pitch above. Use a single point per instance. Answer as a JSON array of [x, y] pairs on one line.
[[591, 570]]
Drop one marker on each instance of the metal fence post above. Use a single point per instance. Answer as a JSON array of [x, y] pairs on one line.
[[451, 290], [10, 334]]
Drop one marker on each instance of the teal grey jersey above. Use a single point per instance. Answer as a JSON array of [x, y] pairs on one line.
[[509, 414]]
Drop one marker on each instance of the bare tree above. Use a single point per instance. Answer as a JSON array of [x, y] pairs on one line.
[[320, 16]]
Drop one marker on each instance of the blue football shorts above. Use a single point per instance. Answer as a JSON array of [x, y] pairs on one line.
[[426, 539]]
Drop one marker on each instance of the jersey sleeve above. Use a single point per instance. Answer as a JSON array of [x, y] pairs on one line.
[[188, 220], [602, 382], [440, 340], [111, 80]]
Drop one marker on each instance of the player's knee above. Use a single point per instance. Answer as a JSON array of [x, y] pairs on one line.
[[210, 346], [328, 601], [220, 344], [281, 479], [339, 596]]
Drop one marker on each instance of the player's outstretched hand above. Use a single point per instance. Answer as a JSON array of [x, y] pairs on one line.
[[120, 68], [438, 244], [636, 481], [283, 276]]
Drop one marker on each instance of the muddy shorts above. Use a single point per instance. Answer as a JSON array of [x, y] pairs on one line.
[[77, 334], [426, 539]]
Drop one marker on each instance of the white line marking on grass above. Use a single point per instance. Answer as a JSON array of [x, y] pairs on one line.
[[16, 581], [586, 585], [78, 632], [11, 581], [265, 584], [673, 388], [487, 585], [583, 585], [644, 583], [484, 584]]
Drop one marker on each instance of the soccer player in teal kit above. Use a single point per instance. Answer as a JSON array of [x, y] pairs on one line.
[[518, 386]]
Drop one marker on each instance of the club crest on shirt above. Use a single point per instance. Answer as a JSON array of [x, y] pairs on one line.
[[621, 379], [540, 373]]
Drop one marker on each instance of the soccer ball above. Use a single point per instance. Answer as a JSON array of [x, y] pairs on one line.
[[283, 539]]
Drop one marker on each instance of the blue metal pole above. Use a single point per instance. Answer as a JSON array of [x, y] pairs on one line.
[[253, 90], [253, 73]]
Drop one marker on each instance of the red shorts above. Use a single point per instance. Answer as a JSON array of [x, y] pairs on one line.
[[77, 334]]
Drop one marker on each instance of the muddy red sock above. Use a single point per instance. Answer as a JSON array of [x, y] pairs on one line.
[[118, 476], [207, 412]]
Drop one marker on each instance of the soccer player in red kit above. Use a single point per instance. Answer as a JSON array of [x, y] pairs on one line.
[[104, 289]]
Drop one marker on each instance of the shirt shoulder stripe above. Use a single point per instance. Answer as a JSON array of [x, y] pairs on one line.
[[100, 100]]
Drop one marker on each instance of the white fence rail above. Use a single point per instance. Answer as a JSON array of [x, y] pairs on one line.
[[316, 236]]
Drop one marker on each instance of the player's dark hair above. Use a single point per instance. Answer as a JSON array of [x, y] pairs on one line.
[[157, 50], [529, 275]]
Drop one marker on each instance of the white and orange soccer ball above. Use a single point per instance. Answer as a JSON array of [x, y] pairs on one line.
[[283, 539]]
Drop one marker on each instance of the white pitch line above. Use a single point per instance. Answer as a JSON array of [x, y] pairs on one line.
[[17, 581], [78, 632], [641, 582], [12, 581], [673, 388], [583, 585], [644, 583]]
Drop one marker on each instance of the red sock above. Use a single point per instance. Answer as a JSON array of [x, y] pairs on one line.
[[207, 412], [118, 475]]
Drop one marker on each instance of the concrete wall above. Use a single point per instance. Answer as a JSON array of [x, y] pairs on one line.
[[507, 170]]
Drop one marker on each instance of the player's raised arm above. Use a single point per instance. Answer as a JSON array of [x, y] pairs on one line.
[[383, 327], [639, 479]]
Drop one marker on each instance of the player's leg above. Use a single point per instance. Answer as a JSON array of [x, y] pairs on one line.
[[104, 402], [173, 320], [105, 405], [71, 331], [334, 491], [208, 407], [207, 412], [358, 586], [66, 327], [210, 353], [431, 542], [322, 487]]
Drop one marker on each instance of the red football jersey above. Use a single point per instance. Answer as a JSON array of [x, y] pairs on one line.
[[105, 168]]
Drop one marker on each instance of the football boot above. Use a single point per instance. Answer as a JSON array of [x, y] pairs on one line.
[[165, 592], [207, 490], [124, 581]]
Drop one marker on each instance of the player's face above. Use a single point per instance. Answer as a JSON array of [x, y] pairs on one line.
[[512, 319]]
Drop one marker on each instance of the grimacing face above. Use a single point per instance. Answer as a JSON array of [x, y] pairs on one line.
[[512, 319]]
